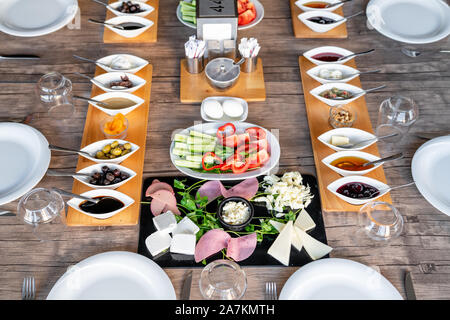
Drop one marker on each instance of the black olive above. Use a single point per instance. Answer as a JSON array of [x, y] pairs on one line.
[[117, 180], [109, 177], [96, 175], [105, 168], [116, 173]]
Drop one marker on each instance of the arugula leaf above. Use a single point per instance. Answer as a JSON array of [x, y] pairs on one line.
[[179, 184]]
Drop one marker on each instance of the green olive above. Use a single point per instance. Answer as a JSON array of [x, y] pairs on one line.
[[99, 154], [124, 152], [106, 149], [116, 151], [114, 144], [127, 146]]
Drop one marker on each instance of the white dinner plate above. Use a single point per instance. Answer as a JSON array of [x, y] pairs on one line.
[[114, 275], [24, 161], [410, 21], [31, 18], [259, 16], [431, 172], [338, 279], [211, 129]]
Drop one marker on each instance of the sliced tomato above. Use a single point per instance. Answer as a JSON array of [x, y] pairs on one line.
[[235, 140], [241, 7], [256, 133], [240, 166], [246, 17], [230, 160], [258, 159], [261, 144]]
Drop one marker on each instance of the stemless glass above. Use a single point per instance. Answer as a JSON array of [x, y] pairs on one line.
[[223, 280], [55, 93], [396, 115], [380, 220], [43, 211]]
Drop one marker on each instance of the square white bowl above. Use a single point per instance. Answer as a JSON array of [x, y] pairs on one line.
[[300, 4], [356, 93], [98, 146], [127, 201], [354, 135], [129, 33], [359, 154], [317, 27], [348, 73], [332, 187], [136, 62], [112, 112], [327, 49], [103, 81], [98, 168]]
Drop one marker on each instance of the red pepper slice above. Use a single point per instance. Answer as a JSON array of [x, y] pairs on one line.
[[256, 133], [229, 161], [240, 167], [216, 158], [222, 131]]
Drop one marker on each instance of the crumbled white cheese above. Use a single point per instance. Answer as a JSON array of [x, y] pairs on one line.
[[121, 62], [235, 212], [330, 74]]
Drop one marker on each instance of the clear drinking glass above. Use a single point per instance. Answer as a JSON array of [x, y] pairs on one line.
[[396, 115], [43, 211], [380, 220], [223, 280], [55, 93]]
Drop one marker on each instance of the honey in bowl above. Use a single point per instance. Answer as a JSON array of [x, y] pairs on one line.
[[316, 4], [351, 163], [118, 103]]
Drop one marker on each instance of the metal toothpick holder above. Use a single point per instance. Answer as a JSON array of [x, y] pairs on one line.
[[249, 65], [195, 65]]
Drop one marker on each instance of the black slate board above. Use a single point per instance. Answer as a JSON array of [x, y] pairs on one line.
[[259, 256]]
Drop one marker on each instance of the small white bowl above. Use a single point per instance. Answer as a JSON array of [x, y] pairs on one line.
[[356, 92], [225, 118], [146, 9], [127, 201], [363, 155], [317, 27], [354, 135], [98, 146], [136, 63], [332, 187], [129, 33], [300, 4], [327, 49], [98, 168], [102, 81], [112, 112], [348, 73]]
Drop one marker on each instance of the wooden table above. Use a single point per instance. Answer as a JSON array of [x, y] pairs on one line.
[[424, 247]]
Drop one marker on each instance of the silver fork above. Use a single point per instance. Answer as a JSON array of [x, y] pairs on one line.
[[28, 288], [271, 291]]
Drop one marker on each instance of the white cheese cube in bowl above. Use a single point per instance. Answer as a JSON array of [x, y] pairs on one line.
[[183, 243], [157, 242], [165, 222], [186, 226]]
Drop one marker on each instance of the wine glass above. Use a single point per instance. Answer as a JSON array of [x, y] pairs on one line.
[[43, 211], [223, 280], [380, 221]]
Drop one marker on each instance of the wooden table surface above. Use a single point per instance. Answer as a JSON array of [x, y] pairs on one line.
[[423, 248]]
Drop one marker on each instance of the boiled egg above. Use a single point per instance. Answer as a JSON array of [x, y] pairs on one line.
[[233, 108], [213, 109]]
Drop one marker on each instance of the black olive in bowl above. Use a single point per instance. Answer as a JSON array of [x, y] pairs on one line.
[[235, 227]]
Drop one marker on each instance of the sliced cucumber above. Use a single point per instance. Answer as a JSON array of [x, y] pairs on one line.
[[197, 140], [188, 164], [180, 138], [201, 135], [195, 158], [201, 147], [181, 146]]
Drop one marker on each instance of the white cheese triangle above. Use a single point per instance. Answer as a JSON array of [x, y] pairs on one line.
[[277, 225], [295, 240], [313, 247], [304, 221], [281, 247]]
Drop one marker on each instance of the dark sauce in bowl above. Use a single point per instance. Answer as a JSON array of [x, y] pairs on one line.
[[321, 20], [358, 190], [327, 56], [106, 204]]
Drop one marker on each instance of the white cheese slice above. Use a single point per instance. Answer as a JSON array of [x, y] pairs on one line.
[[165, 222], [304, 221], [183, 243], [339, 140], [281, 247], [157, 242], [296, 242], [185, 226], [313, 247]]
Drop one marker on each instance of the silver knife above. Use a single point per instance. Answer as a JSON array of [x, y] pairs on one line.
[[431, 135], [6, 214], [186, 289], [409, 288]]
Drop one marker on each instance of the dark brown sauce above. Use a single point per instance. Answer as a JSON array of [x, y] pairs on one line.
[[327, 56], [105, 205], [316, 4], [321, 20], [358, 190]]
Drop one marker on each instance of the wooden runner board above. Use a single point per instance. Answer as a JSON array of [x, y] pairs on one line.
[[301, 31], [195, 87], [318, 113], [137, 133], [148, 36]]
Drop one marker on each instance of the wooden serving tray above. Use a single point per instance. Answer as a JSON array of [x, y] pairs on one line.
[[303, 32], [318, 114], [195, 87], [137, 133], [149, 36]]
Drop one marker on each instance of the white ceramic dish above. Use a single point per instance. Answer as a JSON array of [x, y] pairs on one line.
[[103, 81], [348, 73], [317, 27], [356, 92], [129, 33], [354, 135], [225, 118], [114, 275], [31, 18], [102, 97], [327, 49], [300, 4], [259, 16], [147, 9], [24, 161], [363, 155], [98, 168], [431, 172], [98, 146], [211, 129], [332, 187], [412, 21], [338, 279], [137, 63], [127, 201]]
